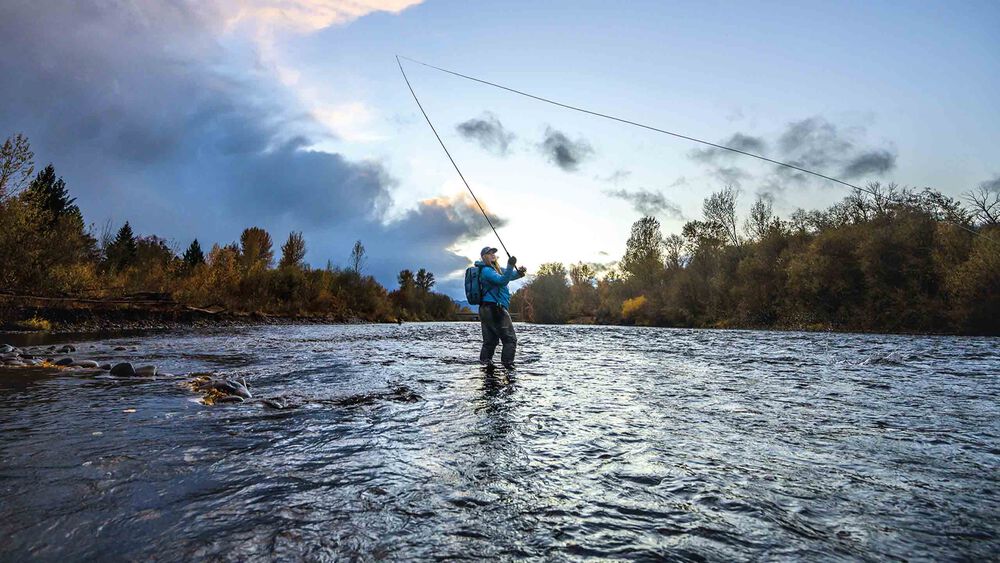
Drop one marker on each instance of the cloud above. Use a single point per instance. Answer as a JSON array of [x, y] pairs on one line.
[[615, 177], [149, 118], [992, 184], [303, 16], [648, 202], [426, 235], [739, 141], [877, 162], [488, 132], [563, 152], [813, 143]]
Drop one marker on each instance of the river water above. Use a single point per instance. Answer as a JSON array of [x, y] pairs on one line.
[[606, 442]]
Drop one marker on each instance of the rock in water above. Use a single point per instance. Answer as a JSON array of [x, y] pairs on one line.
[[106, 367], [64, 362], [66, 349], [124, 369], [86, 364], [146, 371], [230, 399], [6, 349]]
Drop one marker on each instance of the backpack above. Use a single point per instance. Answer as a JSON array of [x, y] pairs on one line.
[[474, 285]]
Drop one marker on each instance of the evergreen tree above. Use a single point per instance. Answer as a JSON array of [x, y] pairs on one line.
[[193, 255], [121, 253], [47, 193], [293, 252]]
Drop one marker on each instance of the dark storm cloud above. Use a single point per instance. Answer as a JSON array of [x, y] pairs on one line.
[[648, 202], [149, 119], [564, 152], [870, 162], [488, 132]]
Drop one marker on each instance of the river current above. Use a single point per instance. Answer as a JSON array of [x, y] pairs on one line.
[[606, 442]]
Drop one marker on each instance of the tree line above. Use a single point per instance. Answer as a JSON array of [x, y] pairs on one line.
[[885, 258], [47, 249]]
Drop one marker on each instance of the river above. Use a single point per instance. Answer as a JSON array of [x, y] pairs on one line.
[[606, 442]]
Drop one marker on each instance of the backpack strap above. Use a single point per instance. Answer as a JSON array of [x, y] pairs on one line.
[[480, 278]]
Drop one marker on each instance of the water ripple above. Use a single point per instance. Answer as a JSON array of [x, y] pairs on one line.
[[608, 442]]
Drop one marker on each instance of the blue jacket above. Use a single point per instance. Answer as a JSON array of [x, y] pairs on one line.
[[495, 285]]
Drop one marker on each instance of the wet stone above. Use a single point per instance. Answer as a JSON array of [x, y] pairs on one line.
[[145, 371], [124, 369], [86, 364], [64, 362], [106, 367]]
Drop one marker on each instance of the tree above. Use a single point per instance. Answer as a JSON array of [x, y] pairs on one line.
[[293, 252], [48, 194], [549, 294], [761, 219], [643, 258], [424, 280], [256, 250], [985, 205], [358, 257], [16, 165], [583, 290], [674, 248], [193, 256], [720, 209], [121, 253], [406, 280]]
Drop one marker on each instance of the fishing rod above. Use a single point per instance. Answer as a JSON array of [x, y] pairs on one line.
[[460, 175], [643, 126]]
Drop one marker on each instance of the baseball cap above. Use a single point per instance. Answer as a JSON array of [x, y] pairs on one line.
[[486, 250]]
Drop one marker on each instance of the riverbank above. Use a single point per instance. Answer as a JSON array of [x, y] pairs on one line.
[[140, 312]]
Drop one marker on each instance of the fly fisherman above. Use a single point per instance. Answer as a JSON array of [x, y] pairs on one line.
[[493, 311]]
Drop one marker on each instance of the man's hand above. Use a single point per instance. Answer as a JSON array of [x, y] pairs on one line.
[[522, 270], [512, 261]]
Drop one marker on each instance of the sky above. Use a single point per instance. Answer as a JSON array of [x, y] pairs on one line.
[[196, 119]]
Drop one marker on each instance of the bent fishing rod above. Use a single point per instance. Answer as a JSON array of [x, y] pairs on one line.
[[635, 124], [460, 175]]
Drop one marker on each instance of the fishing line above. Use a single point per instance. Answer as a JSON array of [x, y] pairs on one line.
[[641, 125], [460, 175]]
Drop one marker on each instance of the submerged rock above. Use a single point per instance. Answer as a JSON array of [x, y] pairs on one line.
[[64, 362], [145, 371], [85, 364], [220, 389], [106, 367], [66, 349], [6, 349], [124, 369]]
